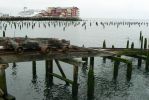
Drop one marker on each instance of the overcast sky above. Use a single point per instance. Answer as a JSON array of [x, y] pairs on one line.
[[88, 8]]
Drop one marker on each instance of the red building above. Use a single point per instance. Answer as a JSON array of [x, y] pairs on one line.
[[61, 12]]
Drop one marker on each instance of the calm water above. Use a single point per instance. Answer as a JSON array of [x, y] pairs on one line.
[[90, 33]]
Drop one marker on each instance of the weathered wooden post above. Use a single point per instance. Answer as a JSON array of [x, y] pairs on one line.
[[112, 46], [3, 85], [92, 62], [104, 44], [75, 82], [49, 69], [90, 84], [14, 64], [3, 33], [34, 69], [142, 42], [145, 43], [127, 46], [147, 62], [139, 62], [132, 45], [129, 71], [115, 71], [140, 35], [86, 61]]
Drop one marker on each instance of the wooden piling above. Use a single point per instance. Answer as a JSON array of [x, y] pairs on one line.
[[140, 35], [34, 69], [139, 62], [129, 71], [14, 64], [127, 46], [92, 62], [104, 59], [145, 43], [3, 33], [147, 62], [3, 85], [115, 71], [61, 70], [142, 42], [86, 61], [90, 84], [104, 44], [112, 46], [75, 82], [49, 69], [132, 45]]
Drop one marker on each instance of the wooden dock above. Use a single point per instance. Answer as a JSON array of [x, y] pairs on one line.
[[69, 57]]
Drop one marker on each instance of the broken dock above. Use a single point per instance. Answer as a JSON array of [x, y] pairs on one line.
[[69, 56]]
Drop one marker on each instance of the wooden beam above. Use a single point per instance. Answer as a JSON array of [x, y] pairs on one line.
[[37, 56], [34, 69], [3, 84], [61, 70], [75, 82], [62, 78], [72, 61]]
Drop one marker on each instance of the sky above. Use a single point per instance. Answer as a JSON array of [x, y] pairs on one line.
[[129, 9]]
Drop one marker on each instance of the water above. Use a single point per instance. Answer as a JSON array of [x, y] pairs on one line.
[[23, 86]]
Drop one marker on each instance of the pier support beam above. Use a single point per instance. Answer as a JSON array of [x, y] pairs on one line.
[[61, 70], [139, 62], [92, 62], [85, 59], [116, 64], [75, 82], [104, 59], [49, 69], [115, 70], [34, 69], [90, 84], [129, 71], [3, 86], [14, 64], [147, 63]]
